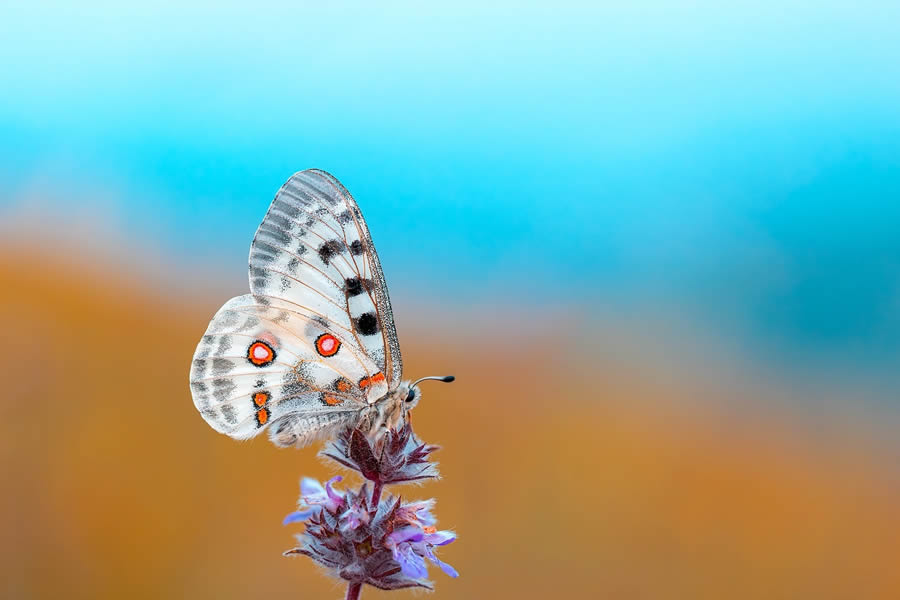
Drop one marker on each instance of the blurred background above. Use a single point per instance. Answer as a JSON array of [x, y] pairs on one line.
[[658, 244]]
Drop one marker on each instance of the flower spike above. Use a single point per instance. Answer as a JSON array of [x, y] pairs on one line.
[[383, 542]]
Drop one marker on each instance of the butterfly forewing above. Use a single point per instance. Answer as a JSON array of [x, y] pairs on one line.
[[313, 249]]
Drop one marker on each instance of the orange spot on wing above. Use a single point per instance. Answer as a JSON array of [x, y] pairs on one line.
[[343, 386], [262, 415], [367, 381], [260, 398], [331, 400]]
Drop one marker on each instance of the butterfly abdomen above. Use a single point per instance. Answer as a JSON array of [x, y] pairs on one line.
[[300, 430]]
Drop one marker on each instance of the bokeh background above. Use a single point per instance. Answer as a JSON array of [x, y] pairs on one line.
[[658, 243]]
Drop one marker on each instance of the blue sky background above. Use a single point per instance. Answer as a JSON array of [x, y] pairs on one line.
[[739, 164]]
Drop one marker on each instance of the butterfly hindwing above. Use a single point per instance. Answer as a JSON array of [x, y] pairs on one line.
[[313, 250], [265, 361]]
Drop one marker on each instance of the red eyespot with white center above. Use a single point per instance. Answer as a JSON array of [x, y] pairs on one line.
[[327, 345], [260, 353]]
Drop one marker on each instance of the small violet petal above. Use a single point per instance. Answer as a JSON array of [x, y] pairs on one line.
[[311, 487], [335, 500], [440, 538], [300, 515], [411, 564], [444, 566], [449, 570], [406, 534]]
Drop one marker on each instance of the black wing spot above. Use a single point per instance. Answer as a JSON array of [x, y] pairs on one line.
[[356, 248], [345, 217], [328, 250], [354, 286], [367, 324]]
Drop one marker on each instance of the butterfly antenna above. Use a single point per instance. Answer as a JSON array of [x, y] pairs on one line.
[[445, 379]]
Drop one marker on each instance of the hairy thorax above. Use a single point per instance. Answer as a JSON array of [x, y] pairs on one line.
[[389, 412]]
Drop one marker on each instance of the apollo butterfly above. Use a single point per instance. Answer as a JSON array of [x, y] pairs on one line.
[[312, 348]]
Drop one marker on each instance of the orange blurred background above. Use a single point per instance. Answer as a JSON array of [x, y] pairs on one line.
[[567, 468]]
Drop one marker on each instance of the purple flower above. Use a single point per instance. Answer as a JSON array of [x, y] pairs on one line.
[[357, 513], [361, 536], [411, 545], [315, 497], [411, 564], [385, 546]]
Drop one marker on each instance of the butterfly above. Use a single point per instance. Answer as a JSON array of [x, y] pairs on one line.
[[313, 348]]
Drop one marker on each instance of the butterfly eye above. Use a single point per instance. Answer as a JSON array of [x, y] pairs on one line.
[[412, 395]]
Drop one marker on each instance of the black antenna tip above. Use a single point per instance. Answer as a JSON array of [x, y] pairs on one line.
[[448, 379]]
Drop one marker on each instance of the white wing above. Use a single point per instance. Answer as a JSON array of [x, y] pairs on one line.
[[258, 364], [315, 343], [313, 249]]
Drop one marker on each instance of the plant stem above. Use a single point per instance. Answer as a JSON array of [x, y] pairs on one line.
[[376, 493], [353, 591]]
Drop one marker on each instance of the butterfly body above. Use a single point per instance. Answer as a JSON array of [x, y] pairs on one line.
[[313, 347], [388, 412]]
